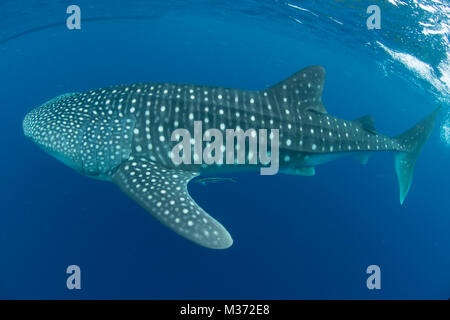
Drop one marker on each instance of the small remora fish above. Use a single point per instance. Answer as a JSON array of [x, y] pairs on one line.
[[123, 134], [206, 180]]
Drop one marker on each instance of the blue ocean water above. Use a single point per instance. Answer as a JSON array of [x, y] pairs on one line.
[[294, 237]]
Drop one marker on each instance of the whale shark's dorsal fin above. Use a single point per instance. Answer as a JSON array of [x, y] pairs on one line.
[[163, 193], [302, 91], [367, 123]]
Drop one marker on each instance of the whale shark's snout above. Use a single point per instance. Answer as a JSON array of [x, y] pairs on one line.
[[41, 126], [48, 127], [30, 124], [37, 126], [27, 125]]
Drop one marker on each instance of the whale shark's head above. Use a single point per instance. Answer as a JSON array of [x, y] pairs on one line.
[[56, 127]]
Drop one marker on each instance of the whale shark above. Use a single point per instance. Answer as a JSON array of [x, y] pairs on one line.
[[124, 134]]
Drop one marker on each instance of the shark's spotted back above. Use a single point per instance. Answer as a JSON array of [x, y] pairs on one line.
[[126, 134]]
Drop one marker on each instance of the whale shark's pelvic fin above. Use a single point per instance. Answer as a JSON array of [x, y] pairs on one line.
[[299, 171], [363, 158], [304, 88], [412, 141], [163, 193]]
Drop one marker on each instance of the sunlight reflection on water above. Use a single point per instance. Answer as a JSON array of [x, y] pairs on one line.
[[445, 129]]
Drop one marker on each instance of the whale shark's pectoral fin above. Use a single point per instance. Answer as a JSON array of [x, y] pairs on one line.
[[305, 171], [163, 192]]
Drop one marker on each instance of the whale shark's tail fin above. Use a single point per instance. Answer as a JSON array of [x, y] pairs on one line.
[[412, 141]]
